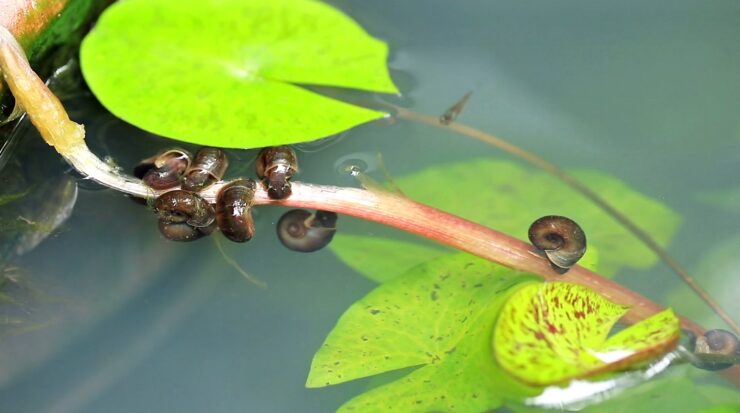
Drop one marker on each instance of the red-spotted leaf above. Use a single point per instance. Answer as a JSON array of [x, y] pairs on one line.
[[554, 332]]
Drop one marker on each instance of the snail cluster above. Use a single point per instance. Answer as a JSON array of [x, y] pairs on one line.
[[184, 215]]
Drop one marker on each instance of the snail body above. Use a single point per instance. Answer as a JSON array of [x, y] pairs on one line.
[[561, 240], [163, 170], [207, 168], [276, 165], [234, 210], [303, 231], [184, 215]]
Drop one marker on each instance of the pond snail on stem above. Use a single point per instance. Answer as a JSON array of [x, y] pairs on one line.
[[184, 215], [207, 168], [163, 170], [234, 210], [303, 231], [561, 240], [276, 165], [716, 350]]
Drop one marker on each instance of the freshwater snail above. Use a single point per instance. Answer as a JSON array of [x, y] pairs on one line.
[[716, 350], [182, 231], [276, 165], [234, 210], [207, 168], [184, 206], [561, 239], [300, 230], [163, 170]]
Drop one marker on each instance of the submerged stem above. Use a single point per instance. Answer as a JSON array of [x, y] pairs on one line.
[[52, 121], [578, 186]]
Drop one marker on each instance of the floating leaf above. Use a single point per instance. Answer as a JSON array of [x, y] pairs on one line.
[[438, 316], [379, 258], [551, 333], [223, 72], [508, 197]]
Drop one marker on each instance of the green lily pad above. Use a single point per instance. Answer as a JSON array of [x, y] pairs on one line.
[[508, 197], [224, 72], [554, 332], [381, 259], [438, 316]]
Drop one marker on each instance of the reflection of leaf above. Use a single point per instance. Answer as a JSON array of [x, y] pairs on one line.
[[671, 394], [508, 197], [438, 316], [222, 73], [553, 332]]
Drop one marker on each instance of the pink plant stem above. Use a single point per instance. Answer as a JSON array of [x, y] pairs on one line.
[[405, 214], [425, 221]]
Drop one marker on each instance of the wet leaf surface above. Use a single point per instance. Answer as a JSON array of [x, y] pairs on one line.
[[554, 332], [438, 316], [224, 73]]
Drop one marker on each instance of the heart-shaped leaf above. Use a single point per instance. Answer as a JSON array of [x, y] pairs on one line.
[[554, 332], [438, 316], [224, 72]]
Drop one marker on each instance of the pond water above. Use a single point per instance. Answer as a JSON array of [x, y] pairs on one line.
[[113, 318]]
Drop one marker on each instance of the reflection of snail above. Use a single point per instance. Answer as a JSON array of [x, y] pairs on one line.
[[184, 215], [560, 238], [300, 230], [164, 170], [234, 210], [208, 167], [716, 350], [276, 165]]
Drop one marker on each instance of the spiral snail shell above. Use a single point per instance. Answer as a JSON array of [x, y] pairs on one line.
[[561, 239], [163, 170], [276, 165], [303, 231], [715, 348], [184, 215], [207, 168], [234, 210]]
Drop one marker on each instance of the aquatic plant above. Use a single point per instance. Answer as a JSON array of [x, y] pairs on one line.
[[388, 208]]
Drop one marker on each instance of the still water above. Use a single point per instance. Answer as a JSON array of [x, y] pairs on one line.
[[125, 321]]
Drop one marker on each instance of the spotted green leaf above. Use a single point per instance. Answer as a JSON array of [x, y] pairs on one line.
[[554, 332], [225, 72], [438, 316], [509, 196]]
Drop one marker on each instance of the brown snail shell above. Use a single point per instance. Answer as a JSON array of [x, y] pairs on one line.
[[182, 231], [181, 206], [276, 165], [302, 231], [163, 170], [714, 348], [234, 210], [561, 240], [207, 168]]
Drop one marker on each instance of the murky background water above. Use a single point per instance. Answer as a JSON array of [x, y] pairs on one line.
[[124, 321]]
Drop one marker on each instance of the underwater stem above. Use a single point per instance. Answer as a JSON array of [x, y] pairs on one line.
[[578, 186]]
